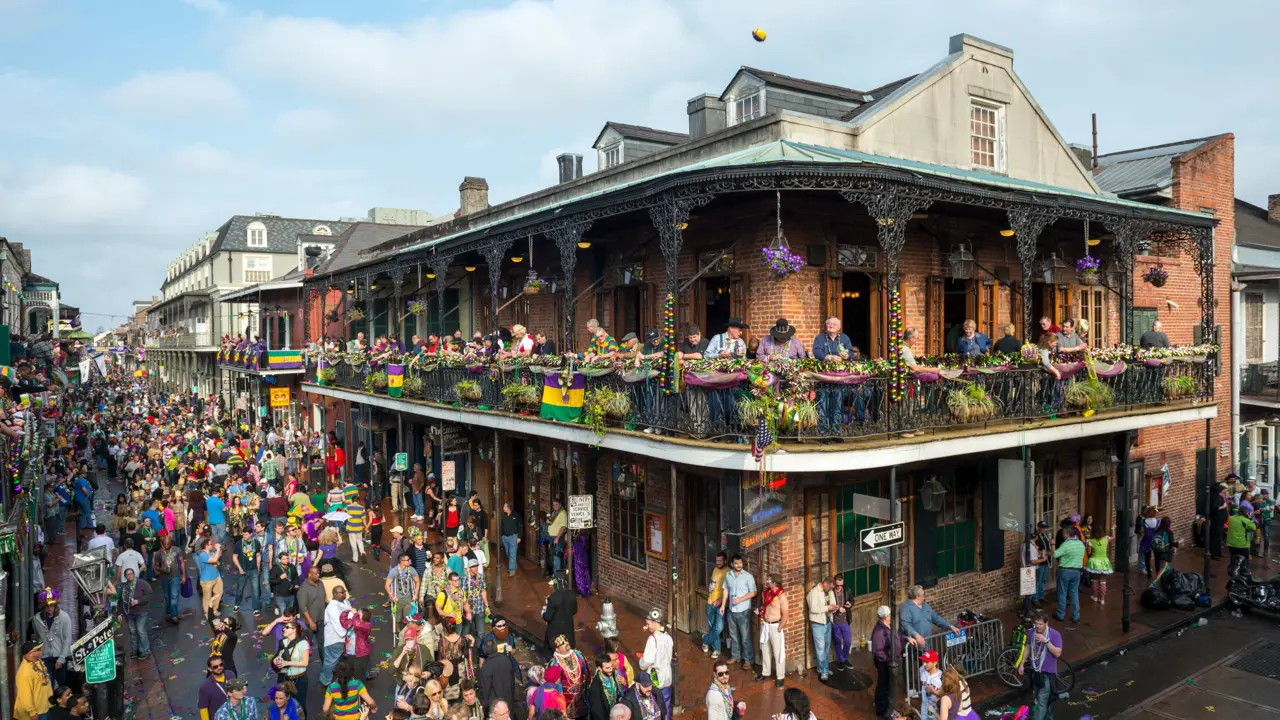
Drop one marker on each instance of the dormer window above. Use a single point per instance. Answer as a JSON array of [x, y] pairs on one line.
[[257, 234], [611, 156], [986, 136], [747, 108], [321, 230]]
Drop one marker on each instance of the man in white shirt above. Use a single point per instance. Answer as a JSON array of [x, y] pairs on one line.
[[335, 636], [658, 649], [101, 539], [821, 602], [130, 559]]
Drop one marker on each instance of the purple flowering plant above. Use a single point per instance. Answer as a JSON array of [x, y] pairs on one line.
[[1088, 265], [782, 261]]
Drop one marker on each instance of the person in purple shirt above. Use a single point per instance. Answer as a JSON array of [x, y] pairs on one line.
[[213, 692], [1043, 650]]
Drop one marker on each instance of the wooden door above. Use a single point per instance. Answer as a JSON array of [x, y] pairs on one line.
[[702, 523], [1253, 332], [648, 312], [739, 298], [1096, 499]]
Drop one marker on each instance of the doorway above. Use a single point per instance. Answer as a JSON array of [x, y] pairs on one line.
[[626, 311], [954, 307], [855, 309], [718, 305], [702, 496], [1095, 498]]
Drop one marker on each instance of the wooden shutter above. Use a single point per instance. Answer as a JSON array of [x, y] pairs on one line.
[[925, 537], [878, 337], [648, 309], [933, 332], [739, 298], [832, 288], [1206, 475], [1253, 327], [1143, 320], [992, 534], [1063, 304], [1016, 298]]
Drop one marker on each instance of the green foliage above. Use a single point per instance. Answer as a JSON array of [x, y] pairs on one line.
[[971, 403], [413, 385], [468, 391], [376, 381], [1089, 394], [522, 395], [1179, 386]]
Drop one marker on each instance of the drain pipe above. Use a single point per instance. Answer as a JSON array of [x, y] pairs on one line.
[[1237, 364]]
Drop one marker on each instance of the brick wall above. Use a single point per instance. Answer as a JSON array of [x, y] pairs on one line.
[[638, 588]]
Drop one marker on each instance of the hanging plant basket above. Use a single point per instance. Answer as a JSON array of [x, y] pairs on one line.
[[332, 316], [417, 307], [355, 315], [533, 284], [1156, 276], [1087, 270], [778, 256]]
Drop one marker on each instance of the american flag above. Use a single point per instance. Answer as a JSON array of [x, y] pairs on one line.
[[763, 440]]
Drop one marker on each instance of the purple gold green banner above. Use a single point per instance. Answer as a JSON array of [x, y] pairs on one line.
[[395, 380], [562, 403]]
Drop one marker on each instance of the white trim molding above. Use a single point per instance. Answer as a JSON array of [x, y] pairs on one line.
[[893, 453]]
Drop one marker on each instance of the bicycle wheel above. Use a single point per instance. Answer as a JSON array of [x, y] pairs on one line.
[[1066, 676], [1007, 668]]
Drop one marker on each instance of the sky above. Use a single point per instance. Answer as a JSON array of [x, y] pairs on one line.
[[130, 128]]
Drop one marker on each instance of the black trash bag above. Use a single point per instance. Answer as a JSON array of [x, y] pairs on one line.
[[1155, 598], [1184, 602]]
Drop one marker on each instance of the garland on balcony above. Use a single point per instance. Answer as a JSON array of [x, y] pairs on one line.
[[670, 381], [898, 374]]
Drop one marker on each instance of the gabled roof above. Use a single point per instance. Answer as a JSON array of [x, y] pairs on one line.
[[639, 132], [1143, 171], [282, 233], [358, 238], [878, 95], [799, 85], [1254, 228]]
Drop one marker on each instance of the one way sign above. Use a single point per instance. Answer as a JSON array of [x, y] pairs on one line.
[[882, 536]]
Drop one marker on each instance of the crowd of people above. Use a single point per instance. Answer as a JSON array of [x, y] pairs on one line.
[[188, 500]]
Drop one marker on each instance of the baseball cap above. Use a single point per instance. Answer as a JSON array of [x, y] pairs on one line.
[[928, 656], [1042, 524], [643, 679], [651, 335], [235, 684]]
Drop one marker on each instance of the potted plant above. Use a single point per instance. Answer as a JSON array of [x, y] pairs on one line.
[[520, 394], [468, 391], [533, 284], [1156, 276], [413, 385], [332, 316], [971, 403], [1087, 270], [781, 261], [355, 315], [802, 415], [1179, 386], [1089, 395], [326, 376], [417, 307], [376, 381]]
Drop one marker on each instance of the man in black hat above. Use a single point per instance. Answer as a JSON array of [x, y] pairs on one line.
[[780, 343], [652, 348], [694, 346], [729, 344], [629, 346]]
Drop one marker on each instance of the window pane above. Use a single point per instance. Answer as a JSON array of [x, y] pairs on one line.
[[626, 534]]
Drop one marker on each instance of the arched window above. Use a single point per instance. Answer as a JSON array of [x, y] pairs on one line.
[[257, 234]]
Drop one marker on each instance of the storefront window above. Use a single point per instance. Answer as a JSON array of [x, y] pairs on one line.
[[1046, 498], [861, 573], [626, 524], [1262, 454], [957, 530]]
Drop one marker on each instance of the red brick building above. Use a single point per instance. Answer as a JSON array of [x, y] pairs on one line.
[[938, 198]]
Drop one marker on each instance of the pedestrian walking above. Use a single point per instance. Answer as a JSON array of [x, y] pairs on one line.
[[1042, 661], [885, 645], [741, 588], [717, 600]]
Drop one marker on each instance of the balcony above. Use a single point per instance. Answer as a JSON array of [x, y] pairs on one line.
[[181, 341], [261, 362], [1260, 384], [805, 401]]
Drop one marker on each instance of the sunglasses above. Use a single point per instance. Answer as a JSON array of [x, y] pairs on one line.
[[724, 673]]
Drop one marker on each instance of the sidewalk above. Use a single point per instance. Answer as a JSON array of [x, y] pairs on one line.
[[1096, 636], [144, 688]]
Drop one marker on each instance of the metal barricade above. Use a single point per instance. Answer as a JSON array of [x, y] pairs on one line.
[[973, 650]]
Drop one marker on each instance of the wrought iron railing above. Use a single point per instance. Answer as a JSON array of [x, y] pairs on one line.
[[843, 410], [1260, 381]]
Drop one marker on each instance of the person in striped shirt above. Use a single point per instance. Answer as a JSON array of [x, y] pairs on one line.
[[342, 697], [355, 531]]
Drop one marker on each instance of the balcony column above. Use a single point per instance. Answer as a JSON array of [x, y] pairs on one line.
[[567, 237], [369, 282], [1203, 240], [493, 255], [892, 210], [1027, 223], [1131, 237], [440, 268], [397, 283]]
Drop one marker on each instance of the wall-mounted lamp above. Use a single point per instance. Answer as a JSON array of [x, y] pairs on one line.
[[470, 268], [431, 276], [584, 244], [517, 258]]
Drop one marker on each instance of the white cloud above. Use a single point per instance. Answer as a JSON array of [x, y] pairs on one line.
[[176, 93], [527, 63], [308, 125], [75, 195], [213, 7], [203, 158]]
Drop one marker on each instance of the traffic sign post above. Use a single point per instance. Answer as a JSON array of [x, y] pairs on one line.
[[100, 665], [98, 637], [581, 512], [878, 537]]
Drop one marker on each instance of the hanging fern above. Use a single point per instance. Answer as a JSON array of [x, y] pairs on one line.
[[413, 385], [521, 395], [1089, 394], [376, 381], [971, 403], [468, 391]]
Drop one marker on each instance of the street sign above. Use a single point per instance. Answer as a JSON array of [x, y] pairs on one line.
[[581, 512], [100, 665], [448, 475], [91, 641], [882, 536], [401, 463]]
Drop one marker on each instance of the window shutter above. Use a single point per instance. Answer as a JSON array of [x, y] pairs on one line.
[[924, 535], [933, 316], [648, 319], [739, 288], [832, 287], [992, 534], [1206, 475]]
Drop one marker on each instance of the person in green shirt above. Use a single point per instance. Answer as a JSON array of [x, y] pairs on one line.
[[1070, 557], [1238, 528]]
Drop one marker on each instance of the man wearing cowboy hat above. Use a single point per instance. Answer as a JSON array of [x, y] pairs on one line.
[[658, 650], [52, 628], [780, 343], [729, 343]]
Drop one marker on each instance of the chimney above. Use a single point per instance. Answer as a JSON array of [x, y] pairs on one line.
[[473, 195], [706, 116], [1273, 208], [570, 165], [1083, 154]]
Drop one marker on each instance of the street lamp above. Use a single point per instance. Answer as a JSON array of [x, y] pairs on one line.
[[90, 572]]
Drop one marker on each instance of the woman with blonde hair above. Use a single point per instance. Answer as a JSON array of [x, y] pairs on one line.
[[954, 702], [437, 706]]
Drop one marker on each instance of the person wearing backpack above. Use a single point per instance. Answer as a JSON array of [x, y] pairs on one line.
[[1163, 544]]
